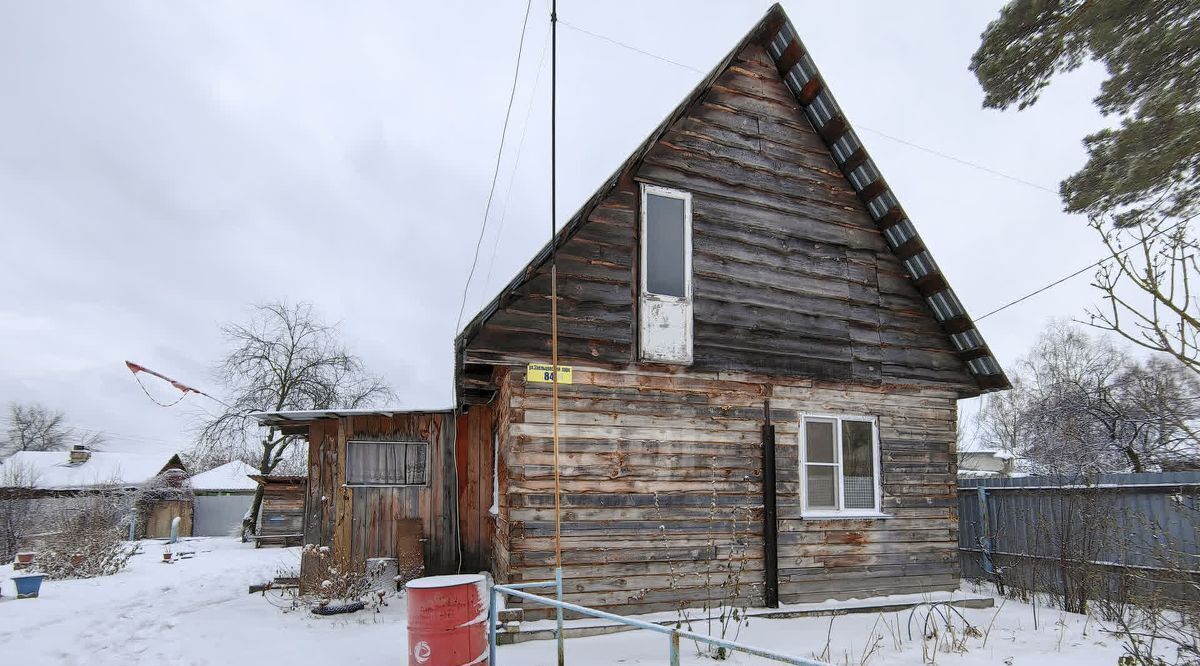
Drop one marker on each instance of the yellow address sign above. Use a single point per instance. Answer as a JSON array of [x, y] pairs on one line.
[[544, 373]]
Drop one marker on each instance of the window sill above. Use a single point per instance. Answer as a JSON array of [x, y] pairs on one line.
[[848, 515]]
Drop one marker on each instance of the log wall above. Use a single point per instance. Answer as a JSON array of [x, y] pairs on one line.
[[791, 276], [661, 479]]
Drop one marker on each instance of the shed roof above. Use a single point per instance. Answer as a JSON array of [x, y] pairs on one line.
[[804, 80], [52, 470], [231, 476], [296, 417]]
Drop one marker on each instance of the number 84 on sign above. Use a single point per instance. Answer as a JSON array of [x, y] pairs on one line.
[[544, 373]]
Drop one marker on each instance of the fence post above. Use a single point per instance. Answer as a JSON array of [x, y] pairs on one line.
[[674, 648], [492, 624], [985, 532]]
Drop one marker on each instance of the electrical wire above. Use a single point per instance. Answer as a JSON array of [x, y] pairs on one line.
[[911, 144], [487, 280], [496, 170], [880, 133], [1061, 280]]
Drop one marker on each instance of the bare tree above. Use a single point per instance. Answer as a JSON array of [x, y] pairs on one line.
[[1082, 405], [284, 358], [34, 427], [1149, 287], [18, 515]]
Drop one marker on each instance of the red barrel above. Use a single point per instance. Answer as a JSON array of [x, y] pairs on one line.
[[447, 621]]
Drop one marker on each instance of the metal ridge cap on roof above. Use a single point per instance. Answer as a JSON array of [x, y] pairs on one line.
[[802, 77]]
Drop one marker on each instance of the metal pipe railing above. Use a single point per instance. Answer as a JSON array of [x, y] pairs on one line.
[[674, 635]]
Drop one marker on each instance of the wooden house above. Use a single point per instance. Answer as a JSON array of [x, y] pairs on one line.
[[764, 363]]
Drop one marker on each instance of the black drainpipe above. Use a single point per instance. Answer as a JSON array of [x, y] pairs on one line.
[[770, 524]]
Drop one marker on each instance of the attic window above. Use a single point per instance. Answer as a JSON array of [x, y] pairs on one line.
[[665, 303], [370, 463], [667, 242]]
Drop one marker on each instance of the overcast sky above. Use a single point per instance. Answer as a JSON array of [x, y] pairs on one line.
[[164, 165]]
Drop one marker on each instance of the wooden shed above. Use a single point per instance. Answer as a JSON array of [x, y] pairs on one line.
[[381, 484], [760, 367], [281, 517]]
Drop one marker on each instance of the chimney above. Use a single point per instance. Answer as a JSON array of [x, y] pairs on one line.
[[80, 454]]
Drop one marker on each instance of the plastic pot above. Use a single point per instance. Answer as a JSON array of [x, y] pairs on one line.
[[28, 585]]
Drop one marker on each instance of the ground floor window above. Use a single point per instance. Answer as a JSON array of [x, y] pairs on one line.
[[839, 465], [372, 463]]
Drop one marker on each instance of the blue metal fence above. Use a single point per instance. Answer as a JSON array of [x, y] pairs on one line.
[[1118, 521]]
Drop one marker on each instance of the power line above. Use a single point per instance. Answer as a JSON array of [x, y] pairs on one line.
[[952, 158], [1061, 280], [496, 170], [910, 144], [630, 47], [516, 164]]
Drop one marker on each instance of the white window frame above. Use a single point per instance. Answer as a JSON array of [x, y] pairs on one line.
[[840, 511], [676, 310], [686, 197]]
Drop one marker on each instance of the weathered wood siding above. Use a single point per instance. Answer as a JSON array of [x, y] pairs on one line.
[[474, 456], [662, 484], [362, 522], [791, 275], [280, 520]]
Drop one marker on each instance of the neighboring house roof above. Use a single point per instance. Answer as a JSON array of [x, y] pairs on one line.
[[52, 470], [805, 82], [228, 477]]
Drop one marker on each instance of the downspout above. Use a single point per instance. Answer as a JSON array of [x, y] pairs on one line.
[[770, 524]]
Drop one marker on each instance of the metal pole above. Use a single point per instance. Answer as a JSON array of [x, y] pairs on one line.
[[558, 615], [492, 627]]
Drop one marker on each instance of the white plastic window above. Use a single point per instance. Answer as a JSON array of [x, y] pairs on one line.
[[839, 464]]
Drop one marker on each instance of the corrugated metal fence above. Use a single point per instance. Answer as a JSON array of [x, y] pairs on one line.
[[1043, 531]]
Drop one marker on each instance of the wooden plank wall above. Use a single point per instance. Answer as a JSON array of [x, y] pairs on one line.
[[474, 456], [361, 522], [791, 276], [281, 519], [661, 477]]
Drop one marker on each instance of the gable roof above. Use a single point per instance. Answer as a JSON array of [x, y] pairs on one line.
[[804, 80], [234, 475], [52, 470]]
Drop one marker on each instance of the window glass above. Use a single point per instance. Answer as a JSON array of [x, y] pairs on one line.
[[666, 246], [822, 486], [386, 463], [858, 464], [818, 436]]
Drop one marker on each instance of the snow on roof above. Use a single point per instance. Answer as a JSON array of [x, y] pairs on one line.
[[53, 470], [230, 476], [302, 415]]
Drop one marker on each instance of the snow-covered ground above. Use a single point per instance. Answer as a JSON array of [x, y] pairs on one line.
[[197, 611]]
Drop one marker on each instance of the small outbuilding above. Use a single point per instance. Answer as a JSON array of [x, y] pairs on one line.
[[222, 496], [280, 519]]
